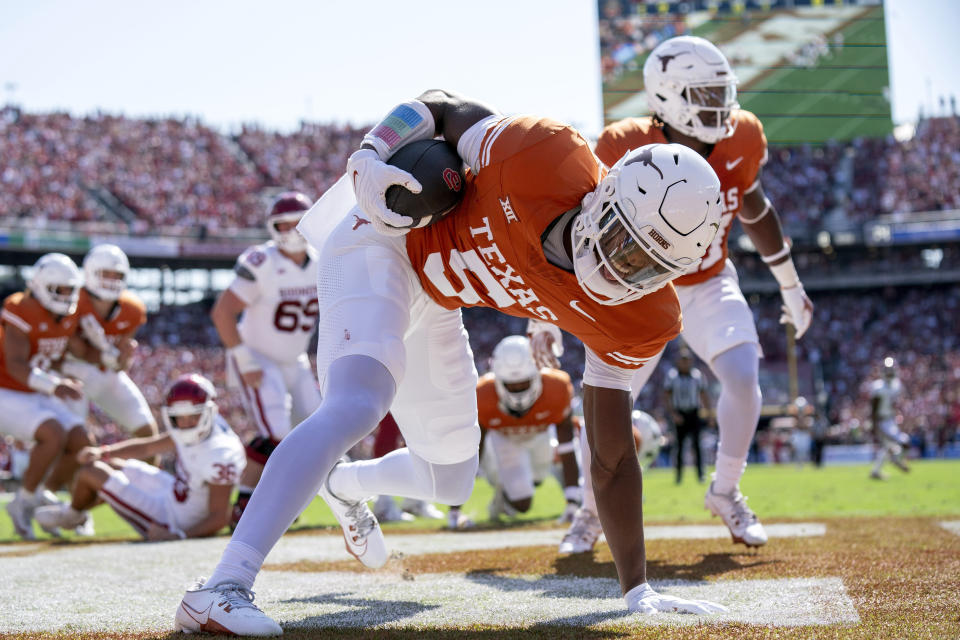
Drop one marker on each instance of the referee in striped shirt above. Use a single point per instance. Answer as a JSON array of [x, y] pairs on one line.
[[685, 392]]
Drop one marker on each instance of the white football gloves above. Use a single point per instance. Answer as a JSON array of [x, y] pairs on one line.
[[546, 341], [371, 177], [797, 309], [643, 599]]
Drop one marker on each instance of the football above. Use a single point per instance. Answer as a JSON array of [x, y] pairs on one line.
[[438, 168]]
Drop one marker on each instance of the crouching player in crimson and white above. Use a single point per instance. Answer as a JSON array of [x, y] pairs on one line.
[[542, 231], [193, 503], [265, 319]]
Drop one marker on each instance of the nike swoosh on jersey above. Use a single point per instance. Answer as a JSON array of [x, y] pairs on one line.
[[576, 307], [540, 415], [731, 164], [122, 325]]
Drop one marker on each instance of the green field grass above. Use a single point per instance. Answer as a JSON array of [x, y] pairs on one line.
[[775, 492], [839, 98]]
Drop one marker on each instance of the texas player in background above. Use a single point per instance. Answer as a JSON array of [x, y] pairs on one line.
[[265, 319], [110, 315], [516, 404], [36, 329], [691, 89], [193, 502], [541, 231]]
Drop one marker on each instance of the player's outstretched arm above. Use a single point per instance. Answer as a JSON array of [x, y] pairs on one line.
[[762, 224], [617, 486], [617, 481], [134, 449]]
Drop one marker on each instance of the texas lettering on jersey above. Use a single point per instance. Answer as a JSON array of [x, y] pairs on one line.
[[48, 334], [552, 407], [737, 161], [488, 251]]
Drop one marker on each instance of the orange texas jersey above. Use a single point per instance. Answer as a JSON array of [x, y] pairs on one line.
[[737, 161], [48, 334], [126, 315], [488, 251], [551, 407]]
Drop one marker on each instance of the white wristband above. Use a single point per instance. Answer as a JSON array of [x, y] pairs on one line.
[[407, 122], [573, 494], [785, 273], [246, 361], [566, 447], [43, 381]]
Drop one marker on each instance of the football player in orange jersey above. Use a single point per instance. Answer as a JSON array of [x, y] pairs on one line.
[[110, 315], [517, 402], [691, 89], [542, 231], [36, 327]]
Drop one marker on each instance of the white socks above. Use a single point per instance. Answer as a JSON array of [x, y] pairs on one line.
[[240, 563]]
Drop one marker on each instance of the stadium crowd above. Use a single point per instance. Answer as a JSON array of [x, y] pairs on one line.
[[180, 176]]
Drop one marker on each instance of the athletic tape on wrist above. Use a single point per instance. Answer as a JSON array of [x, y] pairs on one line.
[[566, 447], [407, 122], [785, 273]]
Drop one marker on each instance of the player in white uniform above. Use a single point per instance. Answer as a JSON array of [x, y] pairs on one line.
[[691, 89], [109, 317], [884, 393], [195, 502], [265, 319]]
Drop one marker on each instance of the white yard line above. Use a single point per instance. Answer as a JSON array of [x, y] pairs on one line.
[[126, 587], [953, 526]]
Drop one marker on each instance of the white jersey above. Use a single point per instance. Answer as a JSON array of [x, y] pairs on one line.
[[219, 459], [281, 299], [887, 391]]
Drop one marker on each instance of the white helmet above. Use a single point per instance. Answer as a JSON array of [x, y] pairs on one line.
[[109, 258], [190, 395], [56, 283], [691, 87], [516, 376], [647, 430], [649, 220], [289, 206]]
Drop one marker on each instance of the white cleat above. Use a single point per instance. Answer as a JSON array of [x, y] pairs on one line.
[[361, 531], [225, 608], [457, 521], [582, 534], [52, 518], [422, 509], [745, 527], [20, 510]]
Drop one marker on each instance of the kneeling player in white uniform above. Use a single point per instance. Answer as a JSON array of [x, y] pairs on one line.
[[516, 403], [275, 290], [884, 393], [585, 529], [109, 317], [159, 506]]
